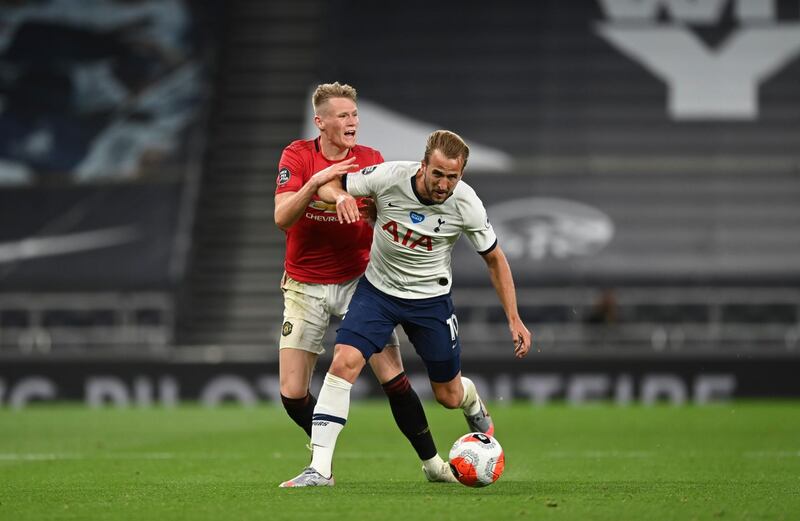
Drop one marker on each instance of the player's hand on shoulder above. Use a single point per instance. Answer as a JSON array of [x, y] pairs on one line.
[[521, 337], [347, 209]]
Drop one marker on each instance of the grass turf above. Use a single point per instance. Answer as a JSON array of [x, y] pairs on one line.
[[734, 461]]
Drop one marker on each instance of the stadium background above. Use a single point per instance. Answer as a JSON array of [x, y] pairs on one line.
[[639, 160]]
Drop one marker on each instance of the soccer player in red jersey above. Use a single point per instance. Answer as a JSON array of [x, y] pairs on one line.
[[324, 260]]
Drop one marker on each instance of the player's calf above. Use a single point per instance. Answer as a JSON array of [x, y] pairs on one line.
[[475, 412]]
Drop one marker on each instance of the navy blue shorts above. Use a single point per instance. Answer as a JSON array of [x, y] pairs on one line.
[[430, 324]]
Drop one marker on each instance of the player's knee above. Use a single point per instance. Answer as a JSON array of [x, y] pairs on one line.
[[448, 398], [294, 380], [347, 362], [294, 389]]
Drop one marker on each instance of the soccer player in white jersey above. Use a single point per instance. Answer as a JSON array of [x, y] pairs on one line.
[[423, 209]]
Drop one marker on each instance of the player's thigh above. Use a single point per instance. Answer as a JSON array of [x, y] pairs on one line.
[[338, 296], [305, 316], [338, 300], [296, 368], [370, 321], [433, 331]]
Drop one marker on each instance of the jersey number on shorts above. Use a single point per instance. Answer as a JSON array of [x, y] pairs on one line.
[[453, 323]]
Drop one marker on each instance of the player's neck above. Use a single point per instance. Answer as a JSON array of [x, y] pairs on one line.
[[418, 186], [332, 152]]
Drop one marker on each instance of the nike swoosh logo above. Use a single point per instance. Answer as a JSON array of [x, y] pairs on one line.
[[36, 247], [391, 205]]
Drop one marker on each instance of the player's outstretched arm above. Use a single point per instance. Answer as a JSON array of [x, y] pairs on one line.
[[503, 282], [289, 206]]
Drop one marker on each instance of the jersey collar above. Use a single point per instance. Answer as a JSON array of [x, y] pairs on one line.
[[318, 148]]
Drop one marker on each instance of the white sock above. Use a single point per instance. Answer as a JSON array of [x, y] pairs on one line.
[[469, 403], [434, 463], [330, 415]]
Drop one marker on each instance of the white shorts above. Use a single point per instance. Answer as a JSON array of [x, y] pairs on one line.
[[307, 310]]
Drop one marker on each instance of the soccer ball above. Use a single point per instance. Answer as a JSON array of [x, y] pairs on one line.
[[477, 459]]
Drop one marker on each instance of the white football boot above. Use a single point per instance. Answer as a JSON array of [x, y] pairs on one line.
[[439, 472], [308, 478]]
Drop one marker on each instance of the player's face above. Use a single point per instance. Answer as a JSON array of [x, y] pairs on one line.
[[439, 178], [337, 120]]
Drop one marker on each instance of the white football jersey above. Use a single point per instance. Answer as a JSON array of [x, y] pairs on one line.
[[412, 241]]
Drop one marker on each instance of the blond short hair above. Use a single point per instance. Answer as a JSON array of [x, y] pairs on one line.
[[449, 144], [326, 91]]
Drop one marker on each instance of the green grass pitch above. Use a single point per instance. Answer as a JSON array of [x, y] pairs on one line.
[[739, 460]]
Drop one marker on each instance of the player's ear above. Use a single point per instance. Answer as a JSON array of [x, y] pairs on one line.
[[318, 121]]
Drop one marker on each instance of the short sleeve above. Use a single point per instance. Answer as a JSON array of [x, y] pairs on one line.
[[477, 227], [370, 180], [290, 172]]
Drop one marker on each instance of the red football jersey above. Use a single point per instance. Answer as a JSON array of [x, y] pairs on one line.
[[319, 249]]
